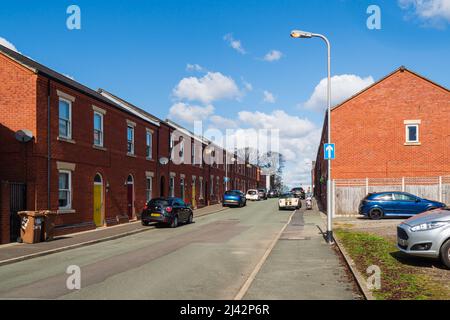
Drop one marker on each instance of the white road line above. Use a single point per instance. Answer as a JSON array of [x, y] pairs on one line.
[[258, 267]]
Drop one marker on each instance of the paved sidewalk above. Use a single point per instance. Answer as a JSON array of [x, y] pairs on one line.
[[16, 252], [302, 266]]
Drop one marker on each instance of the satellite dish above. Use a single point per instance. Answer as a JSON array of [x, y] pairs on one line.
[[163, 161], [24, 135]]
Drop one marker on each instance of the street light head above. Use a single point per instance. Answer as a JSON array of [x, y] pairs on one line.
[[297, 34]]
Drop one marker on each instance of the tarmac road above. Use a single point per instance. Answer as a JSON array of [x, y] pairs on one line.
[[210, 259]]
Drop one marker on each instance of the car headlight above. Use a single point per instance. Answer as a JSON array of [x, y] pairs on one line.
[[428, 226]]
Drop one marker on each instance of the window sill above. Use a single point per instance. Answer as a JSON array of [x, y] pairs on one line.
[[413, 144], [150, 159], [66, 140], [99, 148], [66, 211], [132, 155]]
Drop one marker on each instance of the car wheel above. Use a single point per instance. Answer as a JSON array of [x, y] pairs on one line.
[[376, 214], [191, 219], [174, 223], [145, 223], [445, 254]]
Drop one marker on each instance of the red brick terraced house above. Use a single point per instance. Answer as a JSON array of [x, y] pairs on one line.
[[94, 158], [396, 128]]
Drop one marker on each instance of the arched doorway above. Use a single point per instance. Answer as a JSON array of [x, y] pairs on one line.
[[130, 196], [162, 187], [98, 201]]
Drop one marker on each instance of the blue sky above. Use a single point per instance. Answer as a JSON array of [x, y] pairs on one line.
[[140, 50]]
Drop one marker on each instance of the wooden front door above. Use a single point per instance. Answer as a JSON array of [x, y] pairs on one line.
[[98, 205], [194, 202]]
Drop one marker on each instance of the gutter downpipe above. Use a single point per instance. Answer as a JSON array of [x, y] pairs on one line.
[[49, 151]]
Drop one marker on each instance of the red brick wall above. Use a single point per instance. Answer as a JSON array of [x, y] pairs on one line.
[[17, 93], [369, 131], [370, 134]]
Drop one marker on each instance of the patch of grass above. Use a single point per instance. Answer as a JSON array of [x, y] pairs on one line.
[[398, 281]]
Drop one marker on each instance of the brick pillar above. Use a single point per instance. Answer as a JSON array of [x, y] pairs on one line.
[[4, 213]]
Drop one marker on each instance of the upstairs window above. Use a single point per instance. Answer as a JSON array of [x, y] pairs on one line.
[[65, 119], [98, 129], [412, 131], [149, 145], [130, 140]]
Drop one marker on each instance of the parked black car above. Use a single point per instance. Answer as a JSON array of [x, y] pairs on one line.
[[169, 211], [273, 193], [299, 193], [262, 194]]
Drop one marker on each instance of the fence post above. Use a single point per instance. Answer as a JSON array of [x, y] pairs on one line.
[[403, 185], [440, 189], [367, 185]]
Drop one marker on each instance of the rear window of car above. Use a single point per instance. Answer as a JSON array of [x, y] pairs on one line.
[[252, 192], [232, 193], [287, 195], [158, 202]]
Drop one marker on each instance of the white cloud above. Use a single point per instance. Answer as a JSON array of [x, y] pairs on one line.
[[269, 97], [342, 87], [190, 113], [235, 44], [8, 44], [273, 55], [213, 86], [299, 138], [248, 86], [222, 122], [290, 126], [432, 11], [194, 67]]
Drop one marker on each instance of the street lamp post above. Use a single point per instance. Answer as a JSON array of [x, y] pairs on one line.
[[297, 34]]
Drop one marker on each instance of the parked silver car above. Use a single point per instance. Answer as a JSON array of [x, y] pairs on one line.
[[427, 235]]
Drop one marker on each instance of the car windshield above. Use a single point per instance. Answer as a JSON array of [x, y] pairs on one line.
[[158, 203]]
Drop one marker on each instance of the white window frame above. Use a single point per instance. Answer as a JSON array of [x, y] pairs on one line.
[[96, 113], [149, 144], [69, 121], [69, 191], [200, 193], [409, 124], [172, 186], [182, 188], [211, 186], [129, 126], [149, 188]]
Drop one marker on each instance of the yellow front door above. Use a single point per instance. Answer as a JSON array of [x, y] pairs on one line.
[[98, 205], [194, 203]]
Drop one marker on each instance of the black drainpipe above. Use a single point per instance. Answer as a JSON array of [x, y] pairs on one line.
[[49, 155]]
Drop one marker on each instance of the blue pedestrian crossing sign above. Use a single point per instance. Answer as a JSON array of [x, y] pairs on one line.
[[330, 151]]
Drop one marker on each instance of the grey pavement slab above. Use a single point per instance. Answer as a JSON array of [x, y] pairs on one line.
[[302, 266]]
